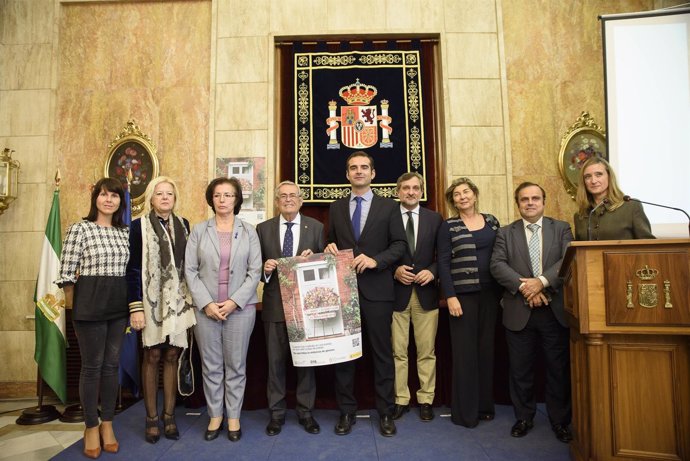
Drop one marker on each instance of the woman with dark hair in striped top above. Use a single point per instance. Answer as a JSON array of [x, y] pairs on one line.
[[92, 272], [464, 246]]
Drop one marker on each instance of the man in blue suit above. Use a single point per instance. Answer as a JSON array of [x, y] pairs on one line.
[[371, 226], [527, 256]]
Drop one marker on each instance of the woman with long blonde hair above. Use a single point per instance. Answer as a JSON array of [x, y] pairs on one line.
[[613, 217]]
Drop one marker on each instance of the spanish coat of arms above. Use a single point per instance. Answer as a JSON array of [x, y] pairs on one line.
[[358, 119]]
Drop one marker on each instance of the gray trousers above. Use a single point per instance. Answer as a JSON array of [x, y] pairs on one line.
[[223, 347]]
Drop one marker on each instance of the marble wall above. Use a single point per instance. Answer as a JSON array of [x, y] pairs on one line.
[[554, 66], [144, 61], [199, 77]]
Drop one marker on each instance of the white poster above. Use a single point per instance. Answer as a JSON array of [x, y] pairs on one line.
[[321, 304]]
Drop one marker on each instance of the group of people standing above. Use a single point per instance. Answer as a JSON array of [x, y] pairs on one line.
[[167, 279]]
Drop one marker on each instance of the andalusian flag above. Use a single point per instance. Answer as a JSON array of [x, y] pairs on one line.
[[51, 341]]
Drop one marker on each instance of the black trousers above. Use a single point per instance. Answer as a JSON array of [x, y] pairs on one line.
[[542, 331], [99, 346], [472, 347], [376, 319], [278, 350]]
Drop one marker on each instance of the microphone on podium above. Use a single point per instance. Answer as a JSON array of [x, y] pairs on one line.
[[628, 198], [589, 218]]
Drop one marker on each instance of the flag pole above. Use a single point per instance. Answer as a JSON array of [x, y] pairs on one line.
[[42, 413], [73, 413]]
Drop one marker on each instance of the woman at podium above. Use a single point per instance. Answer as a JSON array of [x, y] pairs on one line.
[[603, 214]]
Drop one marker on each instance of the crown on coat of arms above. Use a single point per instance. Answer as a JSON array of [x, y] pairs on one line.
[[646, 273], [358, 94]]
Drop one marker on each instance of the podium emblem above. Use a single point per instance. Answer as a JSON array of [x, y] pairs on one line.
[[648, 293]]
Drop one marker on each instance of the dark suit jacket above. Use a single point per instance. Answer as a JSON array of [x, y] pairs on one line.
[[510, 262], [383, 239], [424, 258], [310, 237]]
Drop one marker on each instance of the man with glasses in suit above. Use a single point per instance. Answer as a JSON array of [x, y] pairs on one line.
[[286, 235]]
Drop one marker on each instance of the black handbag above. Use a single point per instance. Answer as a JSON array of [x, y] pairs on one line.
[[185, 369]]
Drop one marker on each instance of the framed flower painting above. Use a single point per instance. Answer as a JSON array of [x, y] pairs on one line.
[[584, 139], [132, 159]]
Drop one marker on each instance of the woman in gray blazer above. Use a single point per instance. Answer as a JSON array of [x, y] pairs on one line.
[[223, 268]]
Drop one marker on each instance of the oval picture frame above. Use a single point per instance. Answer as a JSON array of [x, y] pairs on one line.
[[132, 150], [583, 140]]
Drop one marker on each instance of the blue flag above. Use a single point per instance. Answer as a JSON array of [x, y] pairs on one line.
[[129, 353]]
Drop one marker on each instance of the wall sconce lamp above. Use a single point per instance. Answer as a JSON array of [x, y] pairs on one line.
[[9, 179]]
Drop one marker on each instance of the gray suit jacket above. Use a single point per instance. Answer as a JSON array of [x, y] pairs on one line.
[[510, 261], [202, 263], [310, 237]]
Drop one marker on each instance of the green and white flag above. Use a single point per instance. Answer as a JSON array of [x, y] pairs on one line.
[[51, 342]]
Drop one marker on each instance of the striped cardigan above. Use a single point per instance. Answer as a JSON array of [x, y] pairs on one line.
[[457, 257]]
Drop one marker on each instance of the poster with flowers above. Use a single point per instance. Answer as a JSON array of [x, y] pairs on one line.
[[321, 304]]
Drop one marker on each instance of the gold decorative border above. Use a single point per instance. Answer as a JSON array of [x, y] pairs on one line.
[[596, 136], [131, 133]]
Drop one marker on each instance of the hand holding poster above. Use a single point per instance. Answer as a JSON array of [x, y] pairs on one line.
[[321, 305]]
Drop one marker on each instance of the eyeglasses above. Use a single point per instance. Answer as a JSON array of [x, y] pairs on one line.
[[225, 196], [286, 197]]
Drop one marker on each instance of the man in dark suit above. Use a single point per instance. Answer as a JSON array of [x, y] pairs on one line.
[[371, 226], [416, 298], [286, 235], [526, 259]]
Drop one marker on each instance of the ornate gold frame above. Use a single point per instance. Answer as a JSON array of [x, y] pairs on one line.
[[582, 140], [132, 149]]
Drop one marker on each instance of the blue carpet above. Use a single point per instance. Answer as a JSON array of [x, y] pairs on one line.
[[437, 440]]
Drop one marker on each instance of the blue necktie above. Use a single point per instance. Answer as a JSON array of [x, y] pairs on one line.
[[287, 241], [357, 218], [535, 249]]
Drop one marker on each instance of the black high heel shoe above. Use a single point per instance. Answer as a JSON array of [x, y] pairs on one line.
[[213, 434], [235, 436], [170, 427], [150, 435]]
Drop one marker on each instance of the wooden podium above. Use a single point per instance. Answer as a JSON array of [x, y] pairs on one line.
[[628, 305]]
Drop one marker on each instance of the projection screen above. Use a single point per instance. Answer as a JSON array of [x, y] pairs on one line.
[[647, 85]]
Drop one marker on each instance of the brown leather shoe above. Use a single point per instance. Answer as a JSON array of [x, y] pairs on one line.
[[108, 447], [92, 453]]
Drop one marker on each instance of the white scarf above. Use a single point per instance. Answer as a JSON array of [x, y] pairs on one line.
[[167, 301]]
